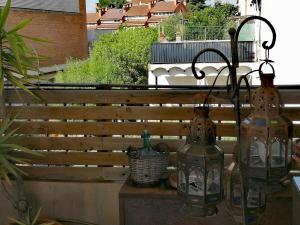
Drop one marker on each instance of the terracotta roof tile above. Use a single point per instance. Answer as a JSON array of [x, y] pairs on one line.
[[163, 6], [142, 10], [135, 23], [92, 17], [157, 19], [112, 14], [137, 2], [108, 26]]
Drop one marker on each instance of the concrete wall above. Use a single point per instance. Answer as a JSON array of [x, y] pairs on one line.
[[66, 32], [93, 202]]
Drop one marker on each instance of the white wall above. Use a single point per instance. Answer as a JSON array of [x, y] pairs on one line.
[[284, 15]]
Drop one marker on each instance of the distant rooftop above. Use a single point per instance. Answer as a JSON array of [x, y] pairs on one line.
[[92, 17], [142, 10], [163, 6], [112, 14]]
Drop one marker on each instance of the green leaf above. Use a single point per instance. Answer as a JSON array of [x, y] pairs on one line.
[[19, 26], [4, 14], [35, 38], [16, 221]]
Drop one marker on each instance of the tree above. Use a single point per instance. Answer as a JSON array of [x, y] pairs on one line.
[[211, 22], [122, 57], [195, 5], [112, 3]]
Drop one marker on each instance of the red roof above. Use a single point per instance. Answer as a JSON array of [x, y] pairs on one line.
[[163, 6], [135, 23], [109, 26], [92, 17], [113, 14], [142, 10], [157, 19], [138, 2]]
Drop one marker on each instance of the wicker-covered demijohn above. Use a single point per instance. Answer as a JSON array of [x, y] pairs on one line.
[[148, 164]]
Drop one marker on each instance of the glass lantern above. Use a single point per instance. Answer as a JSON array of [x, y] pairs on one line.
[[266, 137], [254, 201], [200, 166]]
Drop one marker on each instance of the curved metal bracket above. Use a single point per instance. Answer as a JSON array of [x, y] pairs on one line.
[[202, 52], [235, 54]]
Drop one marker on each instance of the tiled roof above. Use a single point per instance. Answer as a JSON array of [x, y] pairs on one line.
[[142, 10], [157, 19], [135, 23], [163, 6], [137, 2], [108, 26], [92, 17], [113, 14]]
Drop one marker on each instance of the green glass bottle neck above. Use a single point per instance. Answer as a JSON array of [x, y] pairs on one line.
[[146, 142]]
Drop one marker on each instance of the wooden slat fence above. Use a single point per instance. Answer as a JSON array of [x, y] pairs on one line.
[[84, 134]]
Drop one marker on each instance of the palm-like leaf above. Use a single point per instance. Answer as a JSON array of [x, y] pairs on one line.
[[10, 153], [29, 221], [16, 57]]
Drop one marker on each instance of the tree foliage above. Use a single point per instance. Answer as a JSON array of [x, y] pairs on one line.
[[122, 57], [112, 3], [209, 22]]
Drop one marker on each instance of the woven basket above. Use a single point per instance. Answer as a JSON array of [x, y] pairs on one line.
[[146, 171]]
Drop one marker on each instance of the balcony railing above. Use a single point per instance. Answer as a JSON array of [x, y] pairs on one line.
[[183, 52], [84, 131]]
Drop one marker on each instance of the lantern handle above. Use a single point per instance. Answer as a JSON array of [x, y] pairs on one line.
[[266, 62]]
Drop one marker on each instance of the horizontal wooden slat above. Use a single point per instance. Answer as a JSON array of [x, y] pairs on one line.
[[99, 128], [76, 173], [132, 96], [103, 143], [78, 158], [85, 173], [110, 128], [129, 113]]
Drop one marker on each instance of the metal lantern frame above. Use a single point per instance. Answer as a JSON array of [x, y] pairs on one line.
[[233, 87], [200, 166], [266, 137]]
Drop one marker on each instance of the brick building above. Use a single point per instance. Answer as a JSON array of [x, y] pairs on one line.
[[62, 23]]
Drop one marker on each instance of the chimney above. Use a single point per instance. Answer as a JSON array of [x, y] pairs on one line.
[[127, 6], [98, 7], [102, 11], [149, 5], [175, 2]]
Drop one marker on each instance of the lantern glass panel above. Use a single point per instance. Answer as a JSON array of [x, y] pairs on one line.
[[196, 183], [236, 194], [278, 154], [213, 179], [257, 154], [181, 181]]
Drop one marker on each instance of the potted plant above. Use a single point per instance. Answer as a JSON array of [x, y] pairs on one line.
[[16, 60], [33, 220]]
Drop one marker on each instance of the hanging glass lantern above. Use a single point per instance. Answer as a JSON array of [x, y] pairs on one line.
[[200, 167], [266, 138], [255, 202]]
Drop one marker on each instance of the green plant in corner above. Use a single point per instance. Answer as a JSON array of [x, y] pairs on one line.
[[10, 153], [17, 58], [29, 220]]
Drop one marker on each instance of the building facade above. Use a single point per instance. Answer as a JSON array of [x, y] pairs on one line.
[[61, 23]]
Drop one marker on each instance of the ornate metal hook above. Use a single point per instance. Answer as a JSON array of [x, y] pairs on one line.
[[202, 52], [235, 54]]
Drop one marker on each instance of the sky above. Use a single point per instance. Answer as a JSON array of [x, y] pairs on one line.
[[90, 4]]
